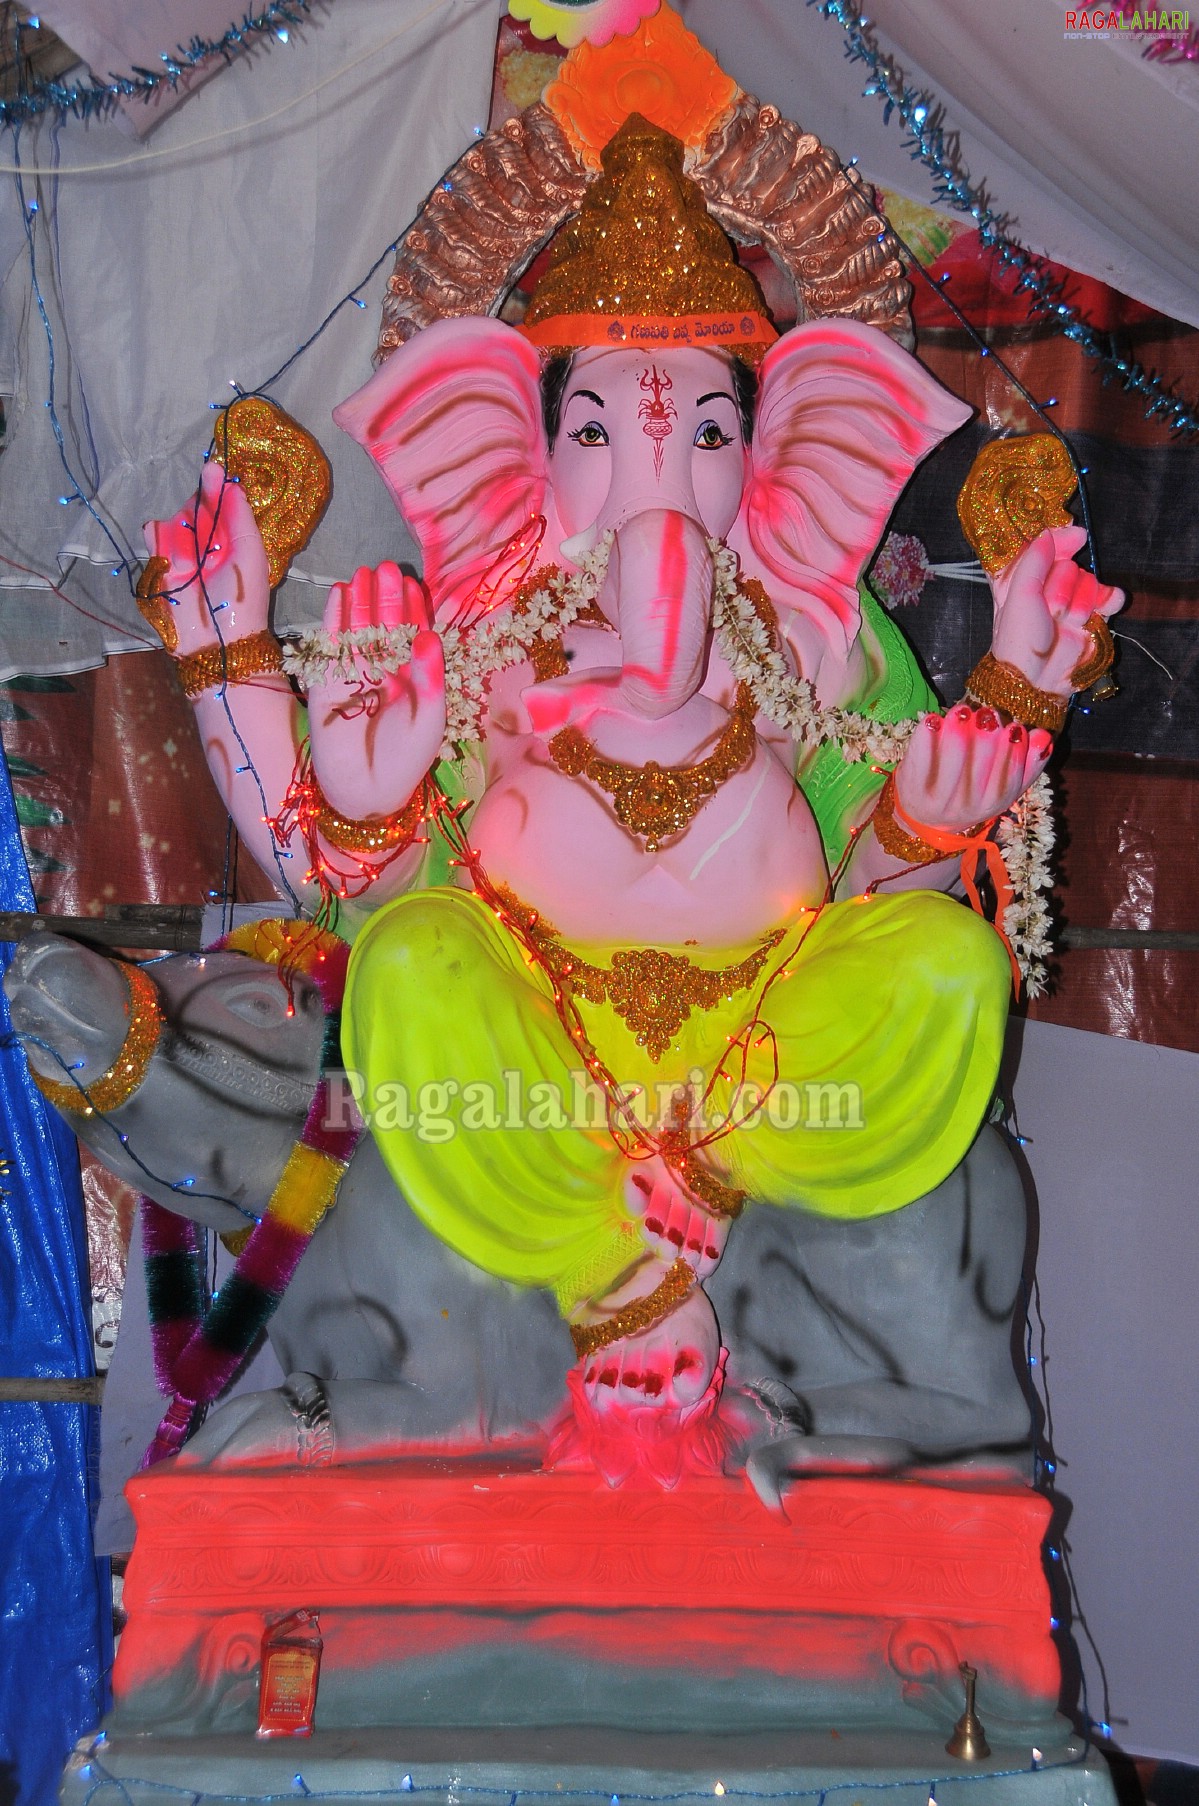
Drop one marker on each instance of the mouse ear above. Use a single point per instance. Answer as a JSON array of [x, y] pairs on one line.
[[453, 420]]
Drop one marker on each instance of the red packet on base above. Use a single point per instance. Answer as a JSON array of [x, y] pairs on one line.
[[291, 1666]]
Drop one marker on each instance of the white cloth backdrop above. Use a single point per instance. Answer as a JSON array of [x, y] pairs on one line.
[[166, 278], [1113, 1147], [1088, 146]]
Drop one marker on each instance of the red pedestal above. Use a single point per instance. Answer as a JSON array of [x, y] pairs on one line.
[[470, 1593]]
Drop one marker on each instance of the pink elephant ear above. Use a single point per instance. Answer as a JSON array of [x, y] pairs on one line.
[[844, 417], [453, 420]]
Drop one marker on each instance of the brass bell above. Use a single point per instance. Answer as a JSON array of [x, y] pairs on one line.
[[969, 1740]]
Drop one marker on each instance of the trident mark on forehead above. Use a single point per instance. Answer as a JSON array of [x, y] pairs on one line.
[[656, 412]]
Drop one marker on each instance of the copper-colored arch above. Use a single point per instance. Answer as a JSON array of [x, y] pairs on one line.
[[770, 183], [765, 180], [502, 200]]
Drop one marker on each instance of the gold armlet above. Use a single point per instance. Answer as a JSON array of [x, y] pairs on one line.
[[234, 663], [1000, 686], [378, 835], [644, 1313]]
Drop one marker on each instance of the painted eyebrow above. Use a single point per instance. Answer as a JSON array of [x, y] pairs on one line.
[[589, 393], [713, 395]]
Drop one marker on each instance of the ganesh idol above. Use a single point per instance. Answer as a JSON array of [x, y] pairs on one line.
[[636, 799]]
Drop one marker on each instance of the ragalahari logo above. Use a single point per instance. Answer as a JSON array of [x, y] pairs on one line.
[[1106, 22]]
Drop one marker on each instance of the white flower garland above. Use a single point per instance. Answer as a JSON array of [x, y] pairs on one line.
[[473, 655], [1026, 839], [789, 701]]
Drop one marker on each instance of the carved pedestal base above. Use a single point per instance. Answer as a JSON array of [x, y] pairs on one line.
[[572, 1768], [470, 1594]]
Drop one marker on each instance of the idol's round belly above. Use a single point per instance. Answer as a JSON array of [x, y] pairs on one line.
[[749, 860]]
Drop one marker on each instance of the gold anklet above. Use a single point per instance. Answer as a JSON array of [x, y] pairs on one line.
[[644, 1313]]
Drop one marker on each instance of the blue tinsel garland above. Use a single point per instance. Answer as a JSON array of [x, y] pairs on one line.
[[88, 100], [923, 116]]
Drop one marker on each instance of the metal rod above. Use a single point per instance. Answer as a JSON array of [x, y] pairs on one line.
[[175, 928], [52, 1392], [1182, 940]]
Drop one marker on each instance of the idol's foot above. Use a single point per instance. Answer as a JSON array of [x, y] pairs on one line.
[[675, 1222], [645, 1395], [654, 1340]]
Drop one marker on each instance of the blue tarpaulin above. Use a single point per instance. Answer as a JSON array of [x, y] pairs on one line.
[[55, 1643]]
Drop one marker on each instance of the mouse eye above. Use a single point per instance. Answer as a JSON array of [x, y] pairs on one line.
[[591, 434], [261, 1003], [710, 437]]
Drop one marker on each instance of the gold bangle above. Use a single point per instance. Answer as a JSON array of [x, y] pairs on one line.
[[254, 656], [116, 1086], [1101, 658], [897, 841], [366, 836], [1000, 686], [644, 1313]]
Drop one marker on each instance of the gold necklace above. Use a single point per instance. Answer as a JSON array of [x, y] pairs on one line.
[[652, 800]]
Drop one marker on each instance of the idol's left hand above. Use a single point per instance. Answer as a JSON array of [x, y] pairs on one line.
[[1043, 601]]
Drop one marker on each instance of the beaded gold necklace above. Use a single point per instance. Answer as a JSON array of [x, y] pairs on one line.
[[655, 801]]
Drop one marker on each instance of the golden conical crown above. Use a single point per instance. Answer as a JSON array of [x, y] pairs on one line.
[[644, 262]]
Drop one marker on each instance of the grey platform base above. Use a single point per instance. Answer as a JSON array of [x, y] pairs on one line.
[[590, 1767]]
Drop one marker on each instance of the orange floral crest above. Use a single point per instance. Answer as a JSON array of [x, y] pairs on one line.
[[662, 72]]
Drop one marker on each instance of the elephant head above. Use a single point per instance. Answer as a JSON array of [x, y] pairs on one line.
[[231, 1073], [646, 432], [478, 444]]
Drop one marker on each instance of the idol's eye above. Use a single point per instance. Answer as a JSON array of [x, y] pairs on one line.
[[710, 437], [591, 434]]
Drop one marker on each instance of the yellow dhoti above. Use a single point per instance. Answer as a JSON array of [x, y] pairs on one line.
[[887, 1028]]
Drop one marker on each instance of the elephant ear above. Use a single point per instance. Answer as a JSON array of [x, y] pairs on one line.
[[453, 420], [844, 417]]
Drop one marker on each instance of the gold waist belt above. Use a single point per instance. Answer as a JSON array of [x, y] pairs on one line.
[[654, 992]]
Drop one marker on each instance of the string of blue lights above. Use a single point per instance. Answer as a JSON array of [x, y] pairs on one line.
[[923, 116], [105, 1781], [92, 99]]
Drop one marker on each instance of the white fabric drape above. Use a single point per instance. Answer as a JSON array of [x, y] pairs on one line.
[[1089, 147], [163, 279]]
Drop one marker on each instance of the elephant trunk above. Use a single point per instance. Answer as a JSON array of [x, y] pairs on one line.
[[661, 567]]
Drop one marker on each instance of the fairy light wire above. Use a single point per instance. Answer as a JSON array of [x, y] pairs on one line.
[[598, 1795], [157, 152], [183, 1188]]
